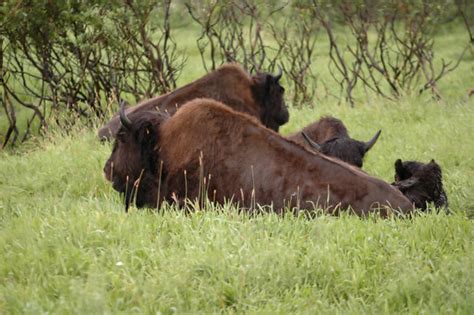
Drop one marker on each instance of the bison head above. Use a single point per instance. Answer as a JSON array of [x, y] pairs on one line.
[[133, 166], [421, 183], [269, 93], [346, 149]]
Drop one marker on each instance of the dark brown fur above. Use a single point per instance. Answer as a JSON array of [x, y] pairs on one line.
[[134, 167], [260, 96], [334, 140], [249, 164], [421, 183], [320, 131]]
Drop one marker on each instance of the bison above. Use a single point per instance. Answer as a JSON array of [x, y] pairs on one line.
[[260, 96], [329, 136], [421, 183], [207, 148]]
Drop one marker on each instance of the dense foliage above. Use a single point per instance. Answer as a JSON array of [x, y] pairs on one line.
[[64, 60]]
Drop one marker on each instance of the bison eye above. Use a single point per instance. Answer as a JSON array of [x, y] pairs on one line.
[[121, 135]]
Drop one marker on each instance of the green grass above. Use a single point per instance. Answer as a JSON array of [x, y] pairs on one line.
[[66, 245]]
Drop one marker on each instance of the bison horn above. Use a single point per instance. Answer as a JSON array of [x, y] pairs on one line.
[[278, 75], [311, 143], [371, 142], [123, 117]]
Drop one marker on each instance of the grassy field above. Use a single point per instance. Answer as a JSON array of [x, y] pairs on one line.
[[66, 245]]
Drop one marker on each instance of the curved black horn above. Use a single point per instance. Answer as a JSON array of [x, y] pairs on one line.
[[311, 143], [371, 142], [277, 77], [123, 117]]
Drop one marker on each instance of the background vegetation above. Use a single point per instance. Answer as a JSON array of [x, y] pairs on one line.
[[66, 244], [62, 61]]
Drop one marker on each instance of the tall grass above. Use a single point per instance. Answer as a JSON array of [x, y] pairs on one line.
[[66, 245]]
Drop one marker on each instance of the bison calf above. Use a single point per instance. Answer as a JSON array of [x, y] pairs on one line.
[[421, 183], [208, 148], [330, 137]]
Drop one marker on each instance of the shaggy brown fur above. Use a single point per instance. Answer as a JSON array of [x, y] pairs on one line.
[[207, 147], [133, 167], [333, 139], [421, 183], [320, 131], [260, 96]]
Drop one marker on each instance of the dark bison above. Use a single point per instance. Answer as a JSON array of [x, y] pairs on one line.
[[329, 136], [260, 96], [421, 183], [208, 148]]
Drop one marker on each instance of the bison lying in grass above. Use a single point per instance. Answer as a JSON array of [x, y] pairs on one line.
[[329, 136], [260, 96], [421, 183], [208, 149]]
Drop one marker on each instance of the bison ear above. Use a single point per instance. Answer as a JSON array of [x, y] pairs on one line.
[[435, 167], [398, 166], [404, 185], [399, 169]]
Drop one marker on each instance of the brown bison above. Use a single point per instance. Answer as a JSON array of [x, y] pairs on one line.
[[260, 96], [421, 183], [329, 136], [208, 148]]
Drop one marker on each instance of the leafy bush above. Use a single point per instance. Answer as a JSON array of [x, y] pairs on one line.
[[75, 56], [70, 59]]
